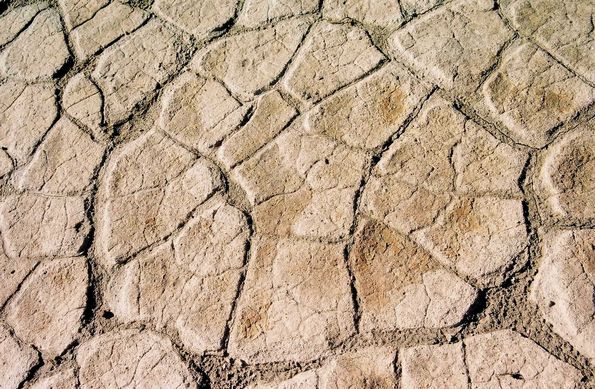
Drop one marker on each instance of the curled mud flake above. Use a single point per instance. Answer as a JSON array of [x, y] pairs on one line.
[[42, 226], [566, 180], [496, 359], [564, 286], [333, 55], [188, 287], [531, 94], [140, 359], [16, 360], [26, 59], [151, 188], [455, 45], [252, 60], [296, 303], [199, 112], [47, 310], [130, 70]]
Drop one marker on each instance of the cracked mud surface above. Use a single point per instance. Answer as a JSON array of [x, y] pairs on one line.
[[297, 194]]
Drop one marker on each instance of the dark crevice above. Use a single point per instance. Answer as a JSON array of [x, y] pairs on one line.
[[355, 300], [91, 305], [142, 4], [241, 281], [33, 370], [377, 155], [477, 308]]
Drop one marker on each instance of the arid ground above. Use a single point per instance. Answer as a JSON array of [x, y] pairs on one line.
[[297, 194]]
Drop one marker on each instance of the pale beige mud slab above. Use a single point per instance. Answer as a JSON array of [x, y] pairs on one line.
[[128, 357], [497, 359], [27, 112], [38, 52], [46, 312], [82, 102], [251, 60]]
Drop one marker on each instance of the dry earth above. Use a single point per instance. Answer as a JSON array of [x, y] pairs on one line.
[[297, 194]]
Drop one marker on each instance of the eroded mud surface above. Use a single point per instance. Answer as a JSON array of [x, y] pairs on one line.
[[297, 194]]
